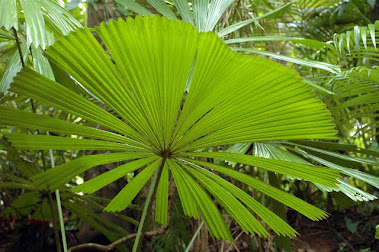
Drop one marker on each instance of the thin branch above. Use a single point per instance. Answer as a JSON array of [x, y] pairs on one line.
[[233, 243], [18, 46], [22, 62], [190, 244], [113, 245], [54, 219]]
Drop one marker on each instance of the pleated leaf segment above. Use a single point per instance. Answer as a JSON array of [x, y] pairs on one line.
[[173, 91]]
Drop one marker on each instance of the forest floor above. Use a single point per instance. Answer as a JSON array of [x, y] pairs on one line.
[[349, 230]]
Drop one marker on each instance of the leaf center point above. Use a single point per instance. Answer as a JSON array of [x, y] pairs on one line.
[[165, 154]]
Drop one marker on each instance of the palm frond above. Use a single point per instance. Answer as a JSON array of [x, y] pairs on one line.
[[13, 67], [355, 103], [159, 117], [281, 152], [8, 14], [359, 43], [43, 19]]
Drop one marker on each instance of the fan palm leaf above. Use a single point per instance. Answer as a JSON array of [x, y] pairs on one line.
[[159, 127]]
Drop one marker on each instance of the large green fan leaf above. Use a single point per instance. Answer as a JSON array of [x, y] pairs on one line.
[[172, 90]]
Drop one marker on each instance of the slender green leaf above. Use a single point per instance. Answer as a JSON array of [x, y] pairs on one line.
[[89, 217], [185, 195], [184, 10], [237, 148], [43, 142], [341, 156], [35, 24], [200, 12], [276, 223], [318, 87], [354, 193], [308, 42], [272, 14], [161, 203], [304, 62], [130, 191], [137, 8], [58, 17], [274, 152], [104, 179], [372, 180], [41, 64], [243, 217], [29, 120], [54, 178], [190, 244], [15, 185], [215, 10], [297, 204], [163, 8], [13, 67], [22, 205], [320, 175], [211, 215], [371, 28]]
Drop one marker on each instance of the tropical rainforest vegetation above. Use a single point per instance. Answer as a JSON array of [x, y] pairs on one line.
[[204, 125]]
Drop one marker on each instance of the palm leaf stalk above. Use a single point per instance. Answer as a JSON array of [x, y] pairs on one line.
[[143, 79], [59, 207]]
